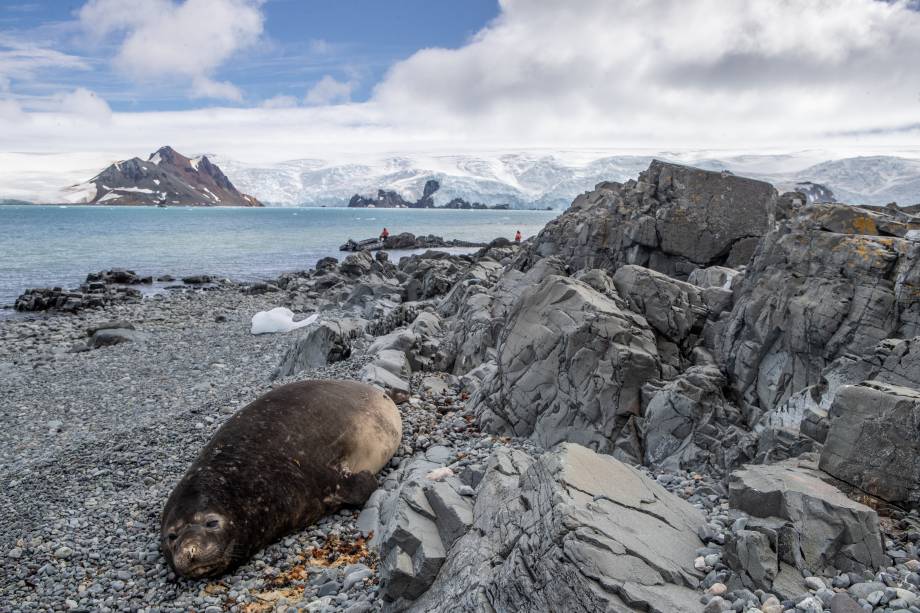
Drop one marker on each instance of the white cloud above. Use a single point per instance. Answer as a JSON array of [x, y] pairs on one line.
[[279, 102], [330, 90], [669, 72], [22, 60], [202, 87], [618, 76], [83, 103], [189, 40], [11, 111]]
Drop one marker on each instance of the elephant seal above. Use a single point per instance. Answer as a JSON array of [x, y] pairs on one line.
[[279, 464]]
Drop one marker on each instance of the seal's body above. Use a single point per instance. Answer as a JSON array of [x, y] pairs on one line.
[[282, 462]]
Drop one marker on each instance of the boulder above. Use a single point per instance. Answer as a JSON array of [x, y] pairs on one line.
[[809, 522], [357, 264], [675, 309], [571, 365], [107, 337], [413, 526], [713, 276], [569, 530], [874, 441], [431, 274], [327, 264], [376, 373], [674, 219], [197, 279], [326, 343]]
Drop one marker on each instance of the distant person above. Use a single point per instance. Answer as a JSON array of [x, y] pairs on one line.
[[517, 236], [385, 234]]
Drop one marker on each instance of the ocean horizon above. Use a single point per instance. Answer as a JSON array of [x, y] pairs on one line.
[[58, 245]]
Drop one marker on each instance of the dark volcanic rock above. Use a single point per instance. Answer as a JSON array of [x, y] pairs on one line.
[[674, 219], [405, 240], [166, 178], [874, 441], [384, 200]]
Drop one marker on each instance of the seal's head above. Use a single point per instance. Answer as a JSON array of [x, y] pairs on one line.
[[197, 540]]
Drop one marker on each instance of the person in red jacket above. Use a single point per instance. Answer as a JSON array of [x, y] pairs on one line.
[[517, 236], [384, 234]]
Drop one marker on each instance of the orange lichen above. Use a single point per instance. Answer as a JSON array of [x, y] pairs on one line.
[[864, 225]]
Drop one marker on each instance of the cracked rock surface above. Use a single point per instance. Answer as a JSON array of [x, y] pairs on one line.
[[570, 530]]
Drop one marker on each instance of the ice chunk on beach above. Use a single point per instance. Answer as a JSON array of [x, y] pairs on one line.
[[278, 319]]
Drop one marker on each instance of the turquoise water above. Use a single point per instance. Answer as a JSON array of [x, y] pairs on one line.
[[42, 246]]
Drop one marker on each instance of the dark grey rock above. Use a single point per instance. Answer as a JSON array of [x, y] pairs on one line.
[[571, 363], [570, 530], [114, 336], [874, 441], [689, 425], [817, 526], [326, 343], [811, 296], [674, 219]]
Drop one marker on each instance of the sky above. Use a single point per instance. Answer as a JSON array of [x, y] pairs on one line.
[[270, 80]]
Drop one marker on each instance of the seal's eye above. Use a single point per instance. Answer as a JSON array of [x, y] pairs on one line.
[[213, 524], [172, 536]]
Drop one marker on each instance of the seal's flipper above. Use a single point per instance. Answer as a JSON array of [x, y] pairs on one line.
[[357, 488]]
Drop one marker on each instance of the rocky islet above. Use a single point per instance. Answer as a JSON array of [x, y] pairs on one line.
[[665, 401]]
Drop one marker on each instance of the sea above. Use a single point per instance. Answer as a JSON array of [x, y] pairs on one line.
[[56, 246]]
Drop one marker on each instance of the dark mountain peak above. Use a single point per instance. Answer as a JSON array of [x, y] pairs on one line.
[[167, 178]]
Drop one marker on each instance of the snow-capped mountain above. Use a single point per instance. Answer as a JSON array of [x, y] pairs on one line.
[[531, 180], [165, 178], [521, 180], [868, 180]]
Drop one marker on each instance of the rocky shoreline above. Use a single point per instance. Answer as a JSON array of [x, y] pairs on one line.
[[687, 393]]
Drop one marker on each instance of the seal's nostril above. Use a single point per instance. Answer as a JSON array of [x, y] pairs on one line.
[[191, 553]]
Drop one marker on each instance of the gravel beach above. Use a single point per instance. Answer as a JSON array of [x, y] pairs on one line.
[[93, 442]]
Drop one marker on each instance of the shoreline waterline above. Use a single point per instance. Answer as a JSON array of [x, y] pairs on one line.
[[48, 246]]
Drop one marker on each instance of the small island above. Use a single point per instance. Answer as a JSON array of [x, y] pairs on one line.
[[389, 199]]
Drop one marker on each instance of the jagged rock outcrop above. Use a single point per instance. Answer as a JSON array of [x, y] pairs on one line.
[[874, 441], [427, 199], [166, 178], [808, 524], [802, 421], [431, 274], [827, 283], [570, 365], [100, 289], [674, 219], [568, 530], [478, 306], [405, 240], [385, 199]]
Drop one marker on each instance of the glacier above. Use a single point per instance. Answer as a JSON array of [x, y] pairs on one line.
[[536, 180]]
